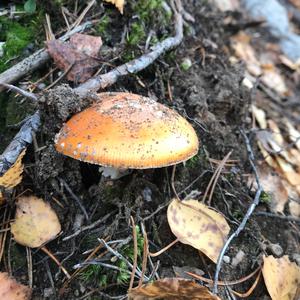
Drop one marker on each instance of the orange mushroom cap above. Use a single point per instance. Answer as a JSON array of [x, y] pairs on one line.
[[125, 130]]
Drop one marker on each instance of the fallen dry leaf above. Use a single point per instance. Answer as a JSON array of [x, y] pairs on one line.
[[294, 208], [260, 116], [172, 289], [118, 3], [13, 176], [10, 289], [275, 81], [282, 277], [35, 222], [225, 5], [196, 224], [244, 51], [273, 185], [78, 57]]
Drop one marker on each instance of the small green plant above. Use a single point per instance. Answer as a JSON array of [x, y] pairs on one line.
[[128, 251], [137, 34], [193, 162], [265, 197], [93, 273], [238, 215], [16, 35], [102, 26]]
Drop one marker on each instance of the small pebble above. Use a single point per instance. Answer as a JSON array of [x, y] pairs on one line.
[[226, 259], [147, 194], [48, 292], [276, 249], [296, 258], [186, 64], [238, 258]]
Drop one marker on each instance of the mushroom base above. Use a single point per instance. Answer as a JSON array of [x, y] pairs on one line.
[[113, 173]]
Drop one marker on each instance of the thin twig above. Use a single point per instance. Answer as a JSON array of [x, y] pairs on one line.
[[74, 197], [88, 227], [281, 217], [135, 254], [247, 215], [19, 143], [56, 261], [29, 265], [20, 91], [145, 254]]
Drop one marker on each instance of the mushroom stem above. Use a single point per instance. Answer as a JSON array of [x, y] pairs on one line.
[[113, 173]]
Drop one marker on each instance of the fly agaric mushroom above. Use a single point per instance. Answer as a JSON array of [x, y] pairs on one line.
[[128, 131]]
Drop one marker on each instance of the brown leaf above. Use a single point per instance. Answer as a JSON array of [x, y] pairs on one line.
[[35, 222], [118, 3], [10, 289], [282, 277], [172, 289], [196, 224], [80, 54]]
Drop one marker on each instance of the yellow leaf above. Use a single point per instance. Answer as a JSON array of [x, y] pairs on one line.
[[13, 176], [35, 222], [282, 277], [172, 289], [118, 3], [196, 224], [10, 289]]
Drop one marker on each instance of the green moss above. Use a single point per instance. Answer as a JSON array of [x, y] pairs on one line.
[[148, 15], [265, 197], [16, 35], [137, 34], [101, 27]]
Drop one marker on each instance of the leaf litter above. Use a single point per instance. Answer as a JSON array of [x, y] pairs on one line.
[[79, 58], [10, 289], [282, 277], [13, 176], [172, 288], [35, 222], [199, 226]]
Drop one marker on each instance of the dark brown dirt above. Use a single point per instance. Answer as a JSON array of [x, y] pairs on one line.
[[211, 95]]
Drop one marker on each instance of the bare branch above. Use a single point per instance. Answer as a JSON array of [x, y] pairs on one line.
[[19, 143]]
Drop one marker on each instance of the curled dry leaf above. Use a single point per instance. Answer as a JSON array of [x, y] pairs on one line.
[[10, 289], [13, 176], [35, 222], [118, 3], [79, 56], [172, 289], [282, 277], [196, 224]]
